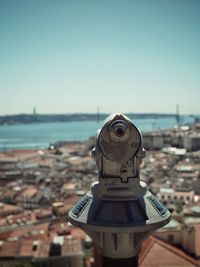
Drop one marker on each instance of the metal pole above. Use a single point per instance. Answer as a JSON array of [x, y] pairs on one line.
[[110, 262]]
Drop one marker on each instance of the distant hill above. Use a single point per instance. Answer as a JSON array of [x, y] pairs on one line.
[[42, 118]]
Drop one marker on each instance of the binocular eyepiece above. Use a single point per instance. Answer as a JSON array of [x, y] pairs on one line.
[[119, 130], [118, 140]]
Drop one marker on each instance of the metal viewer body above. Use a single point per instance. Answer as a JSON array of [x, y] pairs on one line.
[[118, 213]]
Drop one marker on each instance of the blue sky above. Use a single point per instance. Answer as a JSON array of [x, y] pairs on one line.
[[76, 55]]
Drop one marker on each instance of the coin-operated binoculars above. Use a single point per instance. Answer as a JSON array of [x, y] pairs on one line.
[[118, 213]]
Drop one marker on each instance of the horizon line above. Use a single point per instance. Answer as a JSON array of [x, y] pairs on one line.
[[102, 113]]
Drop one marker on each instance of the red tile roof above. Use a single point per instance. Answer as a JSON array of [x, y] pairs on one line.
[[8, 249], [197, 239], [156, 253], [71, 246], [5, 235], [78, 233], [69, 186], [28, 229], [6, 209], [44, 249], [25, 249], [29, 192]]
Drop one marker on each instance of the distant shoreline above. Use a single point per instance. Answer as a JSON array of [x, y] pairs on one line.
[[41, 132], [47, 118]]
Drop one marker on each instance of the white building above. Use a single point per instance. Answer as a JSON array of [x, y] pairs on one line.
[[152, 141], [191, 142], [170, 195]]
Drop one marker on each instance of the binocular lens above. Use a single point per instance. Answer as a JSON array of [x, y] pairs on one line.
[[119, 129]]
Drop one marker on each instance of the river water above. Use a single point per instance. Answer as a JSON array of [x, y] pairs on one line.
[[38, 136]]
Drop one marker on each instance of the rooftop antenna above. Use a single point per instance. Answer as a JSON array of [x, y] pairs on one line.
[[98, 114], [34, 111], [118, 213], [4, 148], [177, 116]]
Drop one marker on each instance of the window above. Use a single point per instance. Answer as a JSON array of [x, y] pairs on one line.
[[170, 238]]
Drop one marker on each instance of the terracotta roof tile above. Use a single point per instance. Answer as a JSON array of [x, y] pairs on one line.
[[158, 253], [26, 230], [77, 233], [5, 235], [71, 246], [8, 249], [69, 186], [25, 249], [41, 250], [44, 248], [8, 208], [197, 239], [29, 192]]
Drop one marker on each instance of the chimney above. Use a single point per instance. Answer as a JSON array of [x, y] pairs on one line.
[[35, 245], [56, 246], [1, 244]]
